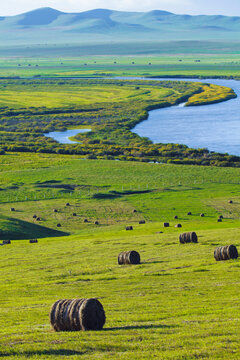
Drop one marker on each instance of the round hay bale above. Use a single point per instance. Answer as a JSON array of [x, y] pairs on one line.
[[74, 214], [230, 201], [85, 220], [175, 217], [219, 220], [12, 209], [178, 226], [142, 222], [59, 225], [189, 213], [33, 241], [67, 204], [34, 216], [38, 219], [129, 257], [225, 253], [166, 224], [202, 215], [55, 210], [129, 227], [96, 223], [189, 237], [77, 314], [134, 210], [220, 217], [6, 242]]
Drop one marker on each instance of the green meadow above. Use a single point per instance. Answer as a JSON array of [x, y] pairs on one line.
[[179, 303]]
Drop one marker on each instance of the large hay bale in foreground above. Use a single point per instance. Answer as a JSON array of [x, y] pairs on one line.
[[77, 314], [225, 253], [189, 237], [128, 257]]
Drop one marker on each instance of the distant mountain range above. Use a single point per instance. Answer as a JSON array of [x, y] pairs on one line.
[[50, 26]]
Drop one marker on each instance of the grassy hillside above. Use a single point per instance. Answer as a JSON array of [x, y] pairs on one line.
[[102, 26], [178, 304]]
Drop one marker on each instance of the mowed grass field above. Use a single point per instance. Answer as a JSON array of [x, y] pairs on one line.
[[184, 64], [179, 303]]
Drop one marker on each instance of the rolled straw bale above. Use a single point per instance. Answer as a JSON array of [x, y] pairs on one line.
[[96, 222], [202, 215], [129, 227], [128, 257], [225, 253], [6, 242], [77, 314], [175, 217], [33, 241], [67, 204], [230, 201], [190, 237], [220, 217], [178, 226], [85, 220], [34, 216], [219, 220], [166, 224], [142, 222], [134, 211], [189, 213], [12, 209], [59, 225], [74, 214], [38, 219], [55, 210]]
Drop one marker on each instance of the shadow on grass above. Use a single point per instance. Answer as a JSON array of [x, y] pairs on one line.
[[53, 352], [140, 327], [116, 194], [15, 229]]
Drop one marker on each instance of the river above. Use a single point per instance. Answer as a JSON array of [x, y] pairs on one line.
[[215, 127]]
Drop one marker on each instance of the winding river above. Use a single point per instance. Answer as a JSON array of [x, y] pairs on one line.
[[215, 127]]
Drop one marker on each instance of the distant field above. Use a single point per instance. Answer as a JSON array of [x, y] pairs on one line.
[[178, 304], [101, 66]]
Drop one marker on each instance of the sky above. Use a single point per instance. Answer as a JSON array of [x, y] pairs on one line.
[[192, 7]]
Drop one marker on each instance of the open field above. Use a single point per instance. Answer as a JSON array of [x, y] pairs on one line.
[[178, 304], [78, 65]]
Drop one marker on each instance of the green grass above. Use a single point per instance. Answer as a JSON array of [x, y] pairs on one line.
[[178, 304]]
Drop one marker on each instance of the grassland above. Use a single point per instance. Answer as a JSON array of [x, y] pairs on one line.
[[178, 304], [164, 65]]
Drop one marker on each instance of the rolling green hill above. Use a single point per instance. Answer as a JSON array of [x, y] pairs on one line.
[[107, 27]]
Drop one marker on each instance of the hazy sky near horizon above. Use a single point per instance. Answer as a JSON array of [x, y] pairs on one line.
[[195, 7]]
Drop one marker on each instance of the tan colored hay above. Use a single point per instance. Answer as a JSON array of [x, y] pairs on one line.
[[225, 253], [129, 257], [129, 227], [33, 241], [77, 314], [190, 237], [6, 242]]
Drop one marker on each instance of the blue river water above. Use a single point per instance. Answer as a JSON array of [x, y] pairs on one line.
[[215, 127], [63, 136]]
